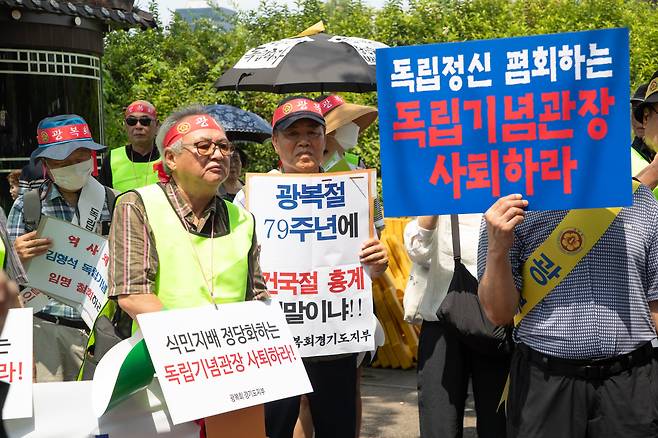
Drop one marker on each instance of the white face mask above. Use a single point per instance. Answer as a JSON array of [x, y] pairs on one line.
[[73, 177], [347, 136]]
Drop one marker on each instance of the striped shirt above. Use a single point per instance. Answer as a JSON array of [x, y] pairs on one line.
[[13, 266], [52, 204], [601, 308], [134, 257]]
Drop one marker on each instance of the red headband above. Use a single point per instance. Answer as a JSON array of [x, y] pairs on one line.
[[187, 125], [63, 133], [294, 106], [141, 106], [331, 102]]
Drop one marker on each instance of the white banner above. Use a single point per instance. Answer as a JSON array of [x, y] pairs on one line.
[[268, 55], [210, 361], [64, 409], [365, 48], [16, 363], [74, 270], [311, 228], [34, 299]]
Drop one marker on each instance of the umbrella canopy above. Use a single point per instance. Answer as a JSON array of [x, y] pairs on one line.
[[240, 125], [320, 62]]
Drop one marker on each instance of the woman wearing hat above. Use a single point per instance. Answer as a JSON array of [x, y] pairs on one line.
[[69, 193], [345, 123]]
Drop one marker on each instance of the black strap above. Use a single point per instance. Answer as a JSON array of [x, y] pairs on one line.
[[32, 209], [110, 198], [456, 246]]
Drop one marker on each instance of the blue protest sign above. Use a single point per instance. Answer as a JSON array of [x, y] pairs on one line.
[[462, 124]]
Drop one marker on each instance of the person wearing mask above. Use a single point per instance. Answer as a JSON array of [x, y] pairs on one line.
[[131, 166], [346, 122], [68, 193]]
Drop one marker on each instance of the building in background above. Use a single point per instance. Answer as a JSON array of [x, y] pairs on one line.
[[50, 63], [196, 10]]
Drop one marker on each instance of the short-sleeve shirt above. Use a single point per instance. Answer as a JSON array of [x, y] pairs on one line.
[[601, 308], [135, 262]]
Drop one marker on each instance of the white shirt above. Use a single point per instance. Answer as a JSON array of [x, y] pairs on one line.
[[438, 257]]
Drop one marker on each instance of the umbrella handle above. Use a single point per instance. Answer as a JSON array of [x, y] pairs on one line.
[[242, 76]]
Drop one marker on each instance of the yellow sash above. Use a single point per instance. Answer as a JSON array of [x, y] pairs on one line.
[[556, 257]]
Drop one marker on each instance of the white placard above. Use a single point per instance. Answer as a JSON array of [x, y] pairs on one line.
[[64, 409], [319, 223], [365, 48], [74, 270], [16, 363], [34, 299], [210, 361], [268, 55]]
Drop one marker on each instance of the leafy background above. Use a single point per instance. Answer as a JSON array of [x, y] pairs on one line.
[[176, 65]]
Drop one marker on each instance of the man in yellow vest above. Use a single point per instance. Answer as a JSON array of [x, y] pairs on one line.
[[582, 289], [177, 244], [131, 166], [641, 154]]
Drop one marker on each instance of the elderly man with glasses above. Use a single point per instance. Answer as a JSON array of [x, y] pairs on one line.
[[167, 237], [131, 166]]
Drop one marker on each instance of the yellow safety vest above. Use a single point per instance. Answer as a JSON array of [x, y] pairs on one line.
[[180, 280], [128, 175], [2, 254], [638, 163]]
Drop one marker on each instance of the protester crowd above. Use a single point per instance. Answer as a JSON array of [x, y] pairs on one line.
[[579, 362]]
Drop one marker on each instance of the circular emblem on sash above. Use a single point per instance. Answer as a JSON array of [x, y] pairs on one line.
[[44, 137], [287, 108], [182, 128], [571, 240]]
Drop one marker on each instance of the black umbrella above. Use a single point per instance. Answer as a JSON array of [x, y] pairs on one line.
[[320, 62], [240, 125]]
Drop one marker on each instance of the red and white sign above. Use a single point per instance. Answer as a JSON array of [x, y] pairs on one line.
[[319, 221], [74, 270], [210, 361], [16, 363]]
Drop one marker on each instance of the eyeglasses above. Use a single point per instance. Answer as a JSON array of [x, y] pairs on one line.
[[144, 121], [206, 148]]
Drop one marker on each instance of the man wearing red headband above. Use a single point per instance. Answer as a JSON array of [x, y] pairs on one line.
[[68, 193], [298, 136], [167, 236], [131, 166]]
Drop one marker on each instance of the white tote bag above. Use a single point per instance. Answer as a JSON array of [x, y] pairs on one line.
[[417, 300]]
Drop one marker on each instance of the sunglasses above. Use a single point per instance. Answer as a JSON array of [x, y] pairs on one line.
[[144, 121]]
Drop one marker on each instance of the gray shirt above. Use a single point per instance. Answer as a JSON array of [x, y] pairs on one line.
[[601, 308]]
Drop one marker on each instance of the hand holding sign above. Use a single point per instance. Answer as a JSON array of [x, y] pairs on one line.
[[373, 255], [29, 245], [73, 269], [506, 213]]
